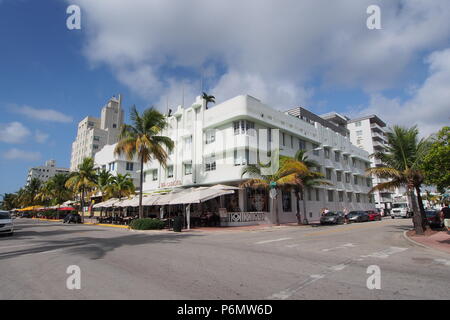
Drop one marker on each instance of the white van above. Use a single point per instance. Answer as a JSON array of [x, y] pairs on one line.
[[400, 210], [6, 223]]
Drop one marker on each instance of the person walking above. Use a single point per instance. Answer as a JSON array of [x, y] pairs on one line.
[[445, 214], [345, 215]]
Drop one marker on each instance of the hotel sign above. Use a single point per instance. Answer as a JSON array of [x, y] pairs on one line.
[[171, 184]]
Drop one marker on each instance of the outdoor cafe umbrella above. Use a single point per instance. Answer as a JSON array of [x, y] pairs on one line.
[[66, 209]]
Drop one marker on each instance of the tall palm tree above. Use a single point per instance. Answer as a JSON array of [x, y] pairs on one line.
[[59, 192], [120, 186], [83, 180], [208, 99], [310, 179], [143, 139], [288, 175], [402, 162], [26, 196]]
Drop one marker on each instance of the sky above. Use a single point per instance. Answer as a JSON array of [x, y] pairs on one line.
[[315, 53]]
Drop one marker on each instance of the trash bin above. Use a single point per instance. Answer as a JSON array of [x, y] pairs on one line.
[[178, 223]]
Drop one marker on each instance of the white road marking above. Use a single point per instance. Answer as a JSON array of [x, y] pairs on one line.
[[344, 246], [385, 253], [338, 267], [442, 261], [292, 245], [274, 240]]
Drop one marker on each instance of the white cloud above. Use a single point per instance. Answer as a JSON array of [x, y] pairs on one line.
[[17, 154], [40, 137], [13, 132], [429, 105], [42, 114]]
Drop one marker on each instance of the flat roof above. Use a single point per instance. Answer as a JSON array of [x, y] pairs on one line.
[[372, 118]]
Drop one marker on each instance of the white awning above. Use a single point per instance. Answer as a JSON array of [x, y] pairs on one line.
[[224, 187], [106, 204], [197, 196]]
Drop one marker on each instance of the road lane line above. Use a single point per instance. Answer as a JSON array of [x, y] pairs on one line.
[[274, 240], [385, 253], [344, 246]]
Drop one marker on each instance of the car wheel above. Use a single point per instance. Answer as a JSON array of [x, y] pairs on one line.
[[392, 217]]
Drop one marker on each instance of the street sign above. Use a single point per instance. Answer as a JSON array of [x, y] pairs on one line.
[[273, 193]]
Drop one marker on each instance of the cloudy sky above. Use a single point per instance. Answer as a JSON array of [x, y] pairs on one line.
[[318, 54]]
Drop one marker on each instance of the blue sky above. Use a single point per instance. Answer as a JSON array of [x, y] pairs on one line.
[[308, 53]]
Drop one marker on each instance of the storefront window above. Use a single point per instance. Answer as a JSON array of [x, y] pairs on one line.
[[257, 200], [286, 199]]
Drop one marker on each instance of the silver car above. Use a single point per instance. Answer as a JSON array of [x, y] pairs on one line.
[[6, 223]]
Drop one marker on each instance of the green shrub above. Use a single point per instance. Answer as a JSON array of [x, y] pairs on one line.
[[147, 224]]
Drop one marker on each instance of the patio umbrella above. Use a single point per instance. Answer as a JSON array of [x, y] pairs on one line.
[[66, 209]]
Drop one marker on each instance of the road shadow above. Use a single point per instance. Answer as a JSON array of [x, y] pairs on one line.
[[94, 247]]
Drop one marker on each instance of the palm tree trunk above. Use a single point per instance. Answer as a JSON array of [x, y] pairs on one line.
[[304, 208], [82, 205], [297, 195], [277, 218], [417, 216], [425, 224], [141, 183]]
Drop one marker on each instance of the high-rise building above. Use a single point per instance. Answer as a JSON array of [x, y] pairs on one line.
[[368, 133], [94, 133], [45, 172]]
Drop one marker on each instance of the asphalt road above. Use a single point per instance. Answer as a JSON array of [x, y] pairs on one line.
[[278, 263]]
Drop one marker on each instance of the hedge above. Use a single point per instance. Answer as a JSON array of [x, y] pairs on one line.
[[147, 224]]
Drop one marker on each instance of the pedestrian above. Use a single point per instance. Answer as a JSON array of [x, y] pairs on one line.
[[346, 215], [445, 214]]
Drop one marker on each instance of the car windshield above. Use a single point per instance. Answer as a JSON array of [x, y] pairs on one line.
[[5, 215], [330, 214], [353, 213], [399, 205]]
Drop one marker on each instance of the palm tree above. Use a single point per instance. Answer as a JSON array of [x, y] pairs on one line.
[[208, 99], [9, 201], [120, 186], [310, 180], [26, 195], [288, 175], [83, 180], [402, 163], [60, 193], [144, 140], [103, 181]]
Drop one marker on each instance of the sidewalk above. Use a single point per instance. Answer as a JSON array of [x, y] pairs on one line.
[[439, 240]]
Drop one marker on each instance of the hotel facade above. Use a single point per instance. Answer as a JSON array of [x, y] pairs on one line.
[[94, 133], [213, 145]]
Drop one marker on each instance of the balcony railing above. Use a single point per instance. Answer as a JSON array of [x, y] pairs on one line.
[[244, 217]]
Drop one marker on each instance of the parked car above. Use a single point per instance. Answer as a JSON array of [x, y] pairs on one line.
[[332, 218], [73, 217], [434, 218], [6, 223], [373, 215], [358, 216]]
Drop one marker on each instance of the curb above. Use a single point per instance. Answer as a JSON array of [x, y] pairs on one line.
[[420, 244]]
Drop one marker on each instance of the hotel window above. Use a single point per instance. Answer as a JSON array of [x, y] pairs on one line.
[[358, 124], [104, 167], [269, 134], [349, 197], [155, 174], [355, 180], [242, 126], [345, 159], [96, 138], [309, 194], [210, 136], [328, 173], [341, 196], [326, 153], [330, 196], [145, 177], [338, 176], [210, 163], [301, 144], [317, 195], [337, 156], [90, 124], [359, 133], [283, 137], [369, 182], [354, 162], [187, 169], [114, 125], [111, 166], [347, 178], [358, 197], [315, 152], [130, 166], [188, 143], [286, 199], [241, 157], [95, 147], [170, 172]]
